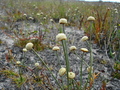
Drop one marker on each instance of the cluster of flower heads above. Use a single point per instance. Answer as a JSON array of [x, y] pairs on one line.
[[60, 37]]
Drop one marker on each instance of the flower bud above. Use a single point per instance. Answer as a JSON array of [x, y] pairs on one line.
[[91, 18], [62, 71], [84, 38], [71, 75], [51, 20], [36, 64], [18, 62], [29, 46], [24, 50], [84, 49], [63, 21], [55, 48], [72, 48], [60, 37]]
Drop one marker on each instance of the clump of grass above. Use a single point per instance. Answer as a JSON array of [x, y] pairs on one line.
[[38, 46]]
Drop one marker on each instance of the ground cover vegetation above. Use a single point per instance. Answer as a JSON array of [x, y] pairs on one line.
[[59, 45]]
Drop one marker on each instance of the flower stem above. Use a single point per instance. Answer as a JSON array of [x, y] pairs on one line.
[[81, 65], [47, 68], [66, 59]]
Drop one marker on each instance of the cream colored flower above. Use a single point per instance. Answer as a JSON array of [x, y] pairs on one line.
[[84, 49], [38, 14], [62, 71], [91, 18], [18, 62], [24, 50], [72, 48], [36, 64], [71, 75], [84, 38], [25, 15], [60, 37], [44, 18], [88, 69], [29, 46], [51, 20], [31, 18], [55, 48], [63, 21]]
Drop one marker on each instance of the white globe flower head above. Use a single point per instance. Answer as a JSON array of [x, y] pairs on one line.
[[51, 20], [72, 48], [91, 18], [63, 21], [31, 18], [18, 62], [44, 18], [84, 49], [60, 37], [62, 71], [24, 50], [38, 14], [36, 64], [84, 38], [55, 48], [25, 15], [29, 46], [71, 75]]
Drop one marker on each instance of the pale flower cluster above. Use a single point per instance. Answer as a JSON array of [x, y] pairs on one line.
[[63, 21], [29, 46], [71, 75], [60, 37], [62, 71], [55, 48]]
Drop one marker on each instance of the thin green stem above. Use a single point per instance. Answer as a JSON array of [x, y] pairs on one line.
[[66, 59], [63, 28], [47, 68], [59, 64], [81, 58], [81, 65]]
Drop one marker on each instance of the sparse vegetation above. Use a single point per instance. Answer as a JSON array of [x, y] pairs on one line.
[[38, 23]]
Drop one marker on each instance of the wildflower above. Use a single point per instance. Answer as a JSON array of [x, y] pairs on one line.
[[41, 23], [84, 49], [55, 48], [71, 75], [31, 18], [36, 64], [41, 13], [38, 14], [44, 18], [115, 9], [25, 15], [63, 21], [18, 62], [91, 18], [116, 12], [62, 71], [51, 20], [29, 46], [24, 50], [88, 69], [84, 38], [72, 48], [60, 37]]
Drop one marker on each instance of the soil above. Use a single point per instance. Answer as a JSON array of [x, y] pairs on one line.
[[102, 63]]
